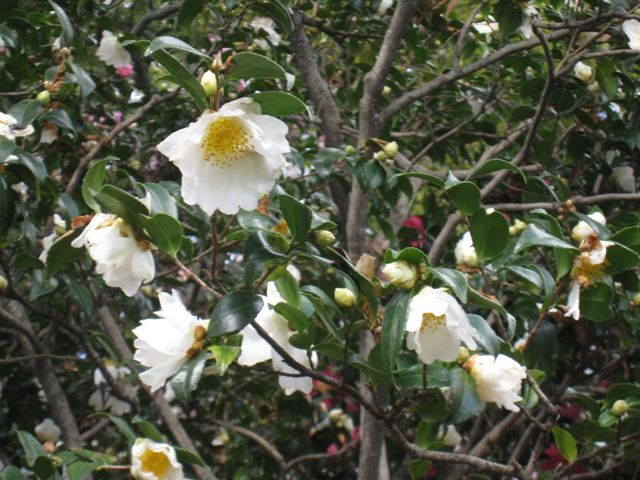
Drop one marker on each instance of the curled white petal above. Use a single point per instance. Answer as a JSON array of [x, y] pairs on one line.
[[111, 52], [498, 379], [154, 461]]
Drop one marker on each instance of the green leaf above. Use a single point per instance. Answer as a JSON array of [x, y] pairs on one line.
[[278, 12], [161, 199], [35, 165], [59, 118], [8, 202], [122, 204], [566, 443], [189, 10], [492, 303], [186, 380], [486, 337], [295, 317], [166, 42], [187, 456], [182, 77], [297, 216], [247, 65], [600, 230], [465, 400], [527, 274], [595, 302], [629, 237], [83, 79], [165, 232], [432, 179], [494, 165], [123, 426], [224, 356], [279, 103], [6, 148], [148, 429], [464, 195], [287, 286], [535, 236], [233, 312], [509, 15], [67, 28], [92, 183], [620, 258], [25, 112], [418, 468], [490, 234], [412, 255], [607, 78], [31, 447], [61, 253], [81, 295], [454, 279], [394, 324], [11, 472]]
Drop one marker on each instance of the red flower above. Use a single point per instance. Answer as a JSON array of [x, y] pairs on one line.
[[415, 222], [556, 459]]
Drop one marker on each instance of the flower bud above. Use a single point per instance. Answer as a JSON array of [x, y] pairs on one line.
[[386, 90], [44, 97], [325, 238], [619, 408], [47, 431], [344, 297], [401, 274], [380, 156], [209, 83], [463, 354], [349, 150], [3, 284], [517, 227], [583, 72], [636, 299], [366, 265], [391, 149]]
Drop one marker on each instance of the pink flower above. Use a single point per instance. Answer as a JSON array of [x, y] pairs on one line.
[[242, 84], [117, 116], [125, 70], [333, 449], [321, 141]]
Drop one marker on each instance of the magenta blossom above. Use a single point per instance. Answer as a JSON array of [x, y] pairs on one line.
[[125, 70]]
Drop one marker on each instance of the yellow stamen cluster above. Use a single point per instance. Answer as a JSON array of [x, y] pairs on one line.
[[225, 141], [432, 322], [199, 335], [155, 462]]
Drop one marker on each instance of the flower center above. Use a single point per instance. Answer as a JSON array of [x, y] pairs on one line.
[[586, 272], [225, 141], [432, 322], [155, 462]]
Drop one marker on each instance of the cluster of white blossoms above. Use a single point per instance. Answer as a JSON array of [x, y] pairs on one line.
[[465, 252], [588, 266], [102, 399], [165, 343], [266, 25], [228, 158], [123, 260], [498, 379], [9, 130], [437, 325], [111, 52], [154, 461], [256, 349]]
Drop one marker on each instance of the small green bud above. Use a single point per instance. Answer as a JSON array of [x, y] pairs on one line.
[[3, 284], [44, 97], [209, 83], [325, 238], [349, 150], [619, 408], [391, 149], [344, 297], [380, 155], [401, 274], [386, 90], [463, 355], [636, 299]]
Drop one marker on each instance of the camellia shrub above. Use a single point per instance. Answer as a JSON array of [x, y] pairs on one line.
[[306, 240]]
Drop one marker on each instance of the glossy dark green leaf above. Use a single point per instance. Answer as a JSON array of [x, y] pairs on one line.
[[418, 469], [121, 425], [58, 117], [83, 79], [412, 255], [247, 65], [432, 179], [495, 165], [454, 279], [595, 302], [278, 12], [61, 253], [295, 317], [486, 337], [465, 195], [493, 303], [122, 204], [183, 77], [298, 217], [607, 78], [509, 14], [6, 148], [148, 429], [67, 28], [287, 286], [535, 236], [186, 380], [161, 199], [31, 447], [189, 10], [566, 443], [187, 456], [93, 181], [465, 400], [166, 42], [233, 312], [394, 324], [629, 237], [25, 112], [165, 232], [279, 103], [490, 234], [621, 258]]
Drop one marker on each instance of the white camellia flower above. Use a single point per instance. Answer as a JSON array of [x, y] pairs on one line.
[[486, 28], [101, 399], [383, 6], [154, 461], [164, 344], [8, 129], [583, 230], [111, 52], [47, 431], [631, 29], [437, 325], [228, 158], [527, 28], [465, 252], [450, 436], [266, 25], [583, 72], [123, 260], [255, 349], [401, 274], [498, 379]]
